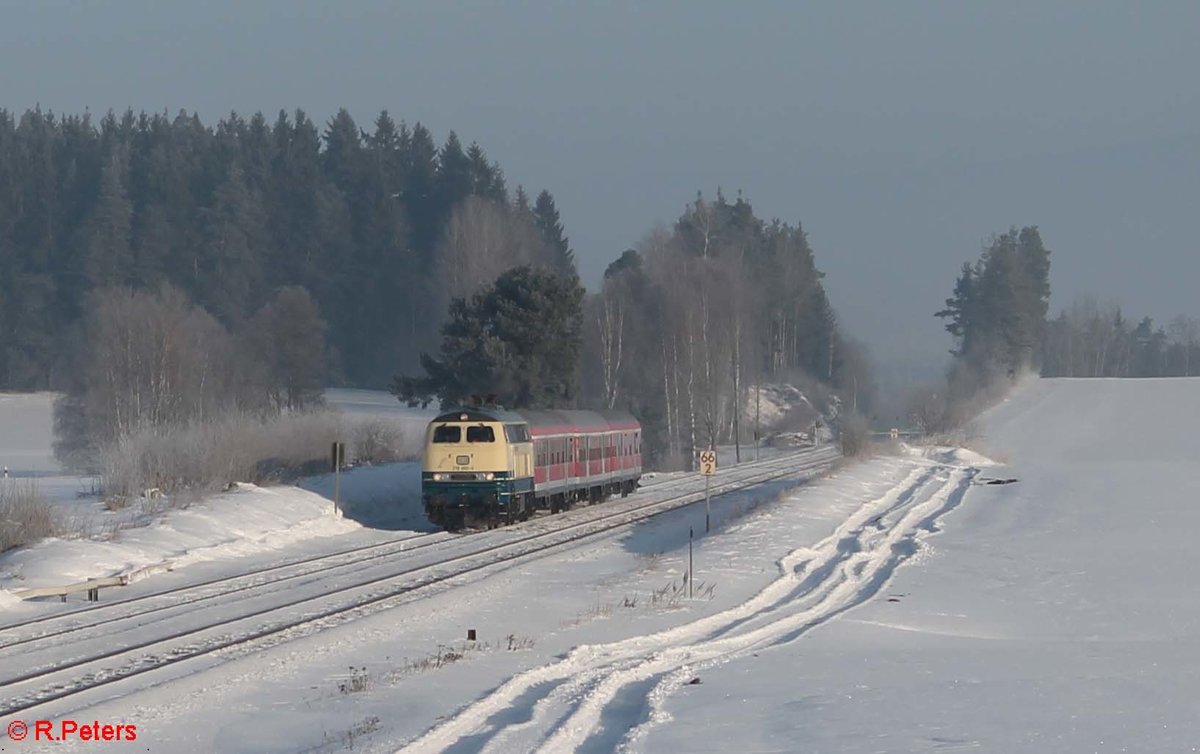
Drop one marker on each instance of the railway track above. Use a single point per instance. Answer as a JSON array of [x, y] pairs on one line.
[[196, 596], [58, 661]]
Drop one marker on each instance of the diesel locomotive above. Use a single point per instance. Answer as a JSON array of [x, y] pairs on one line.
[[485, 466]]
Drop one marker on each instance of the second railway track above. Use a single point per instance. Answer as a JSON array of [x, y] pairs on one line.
[[62, 661]]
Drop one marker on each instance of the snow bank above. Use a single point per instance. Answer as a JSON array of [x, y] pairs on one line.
[[244, 521]]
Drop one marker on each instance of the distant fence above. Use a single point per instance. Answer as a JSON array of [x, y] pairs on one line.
[[898, 434]]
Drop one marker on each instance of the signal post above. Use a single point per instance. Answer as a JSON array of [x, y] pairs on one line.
[[708, 467]]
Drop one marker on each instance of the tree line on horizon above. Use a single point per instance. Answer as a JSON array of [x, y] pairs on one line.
[[381, 227], [392, 247], [1092, 340]]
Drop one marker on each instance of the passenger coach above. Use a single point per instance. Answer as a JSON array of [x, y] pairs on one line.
[[488, 465]]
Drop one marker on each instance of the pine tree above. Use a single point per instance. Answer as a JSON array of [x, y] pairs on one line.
[[455, 177], [228, 271], [487, 180], [519, 339], [343, 152], [421, 194], [959, 310], [108, 258], [545, 216]]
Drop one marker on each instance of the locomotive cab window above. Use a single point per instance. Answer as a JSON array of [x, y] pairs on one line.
[[517, 433], [480, 434], [447, 433]]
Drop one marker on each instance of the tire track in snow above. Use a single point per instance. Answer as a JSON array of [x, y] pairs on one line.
[[810, 576], [872, 575], [563, 706], [852, 582]]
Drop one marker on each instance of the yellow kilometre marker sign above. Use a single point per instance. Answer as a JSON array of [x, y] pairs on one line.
[[708, 462]]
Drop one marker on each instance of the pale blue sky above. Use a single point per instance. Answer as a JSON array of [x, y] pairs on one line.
[[902, 134]]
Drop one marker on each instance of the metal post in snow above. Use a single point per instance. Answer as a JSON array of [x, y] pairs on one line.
[[707, 506], [757, 413], [337, 481], [337, 458], [691, 573]]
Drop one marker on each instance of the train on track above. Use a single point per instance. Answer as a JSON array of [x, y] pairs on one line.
[[485, 466]]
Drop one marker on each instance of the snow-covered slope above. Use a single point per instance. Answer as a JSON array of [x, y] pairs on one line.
[[245, 521], [1059, 613]]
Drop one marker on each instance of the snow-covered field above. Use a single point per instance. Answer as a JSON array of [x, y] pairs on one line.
[[900, 605], [1055, 614]]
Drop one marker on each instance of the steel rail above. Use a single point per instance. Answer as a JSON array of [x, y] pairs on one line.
[[572, 531]]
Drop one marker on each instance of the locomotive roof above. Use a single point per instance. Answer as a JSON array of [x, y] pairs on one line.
[[479, 414], [538, 418], [593, 419]]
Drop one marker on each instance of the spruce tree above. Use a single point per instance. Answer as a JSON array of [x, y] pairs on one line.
[[228, 271], [545, 216], [108, 259], [519, 339]]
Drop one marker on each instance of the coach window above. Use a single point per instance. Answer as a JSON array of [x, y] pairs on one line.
[[480, 434], [446, 433]]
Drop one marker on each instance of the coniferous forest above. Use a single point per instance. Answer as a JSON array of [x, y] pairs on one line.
[[377, 224], [392, 243]]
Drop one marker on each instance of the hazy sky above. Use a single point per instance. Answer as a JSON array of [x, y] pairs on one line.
[[901, 134]]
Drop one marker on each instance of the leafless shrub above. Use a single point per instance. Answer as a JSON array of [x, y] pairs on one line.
[[855, 435], [286, 341], [517, 643], [357, 682], [928, 408], [151, 373], [95, 527], [380, 441], [209, 456], [344, 740], [670, 595], [25, 516]]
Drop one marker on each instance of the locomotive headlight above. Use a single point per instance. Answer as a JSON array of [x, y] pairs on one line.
[[489, 476], [439, 477]]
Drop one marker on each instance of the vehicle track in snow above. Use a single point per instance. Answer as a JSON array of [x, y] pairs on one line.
[[586, 701], [91, 661]]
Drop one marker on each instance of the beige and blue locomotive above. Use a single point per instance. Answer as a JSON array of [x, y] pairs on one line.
[[488, 465]]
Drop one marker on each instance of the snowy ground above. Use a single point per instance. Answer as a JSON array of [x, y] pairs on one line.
[[26, 451], [252, 521], [900, 605], [307, 695], [1055, 614]]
